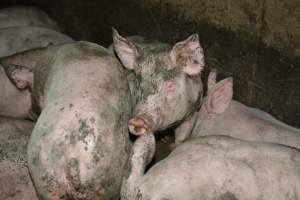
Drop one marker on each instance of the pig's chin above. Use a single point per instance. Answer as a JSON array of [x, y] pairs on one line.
[[141, 124]]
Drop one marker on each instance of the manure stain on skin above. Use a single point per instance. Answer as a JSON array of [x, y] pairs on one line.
[[73, 173], [227, 196], [85, 130]]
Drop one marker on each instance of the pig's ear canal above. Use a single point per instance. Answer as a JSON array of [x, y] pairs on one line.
[[126, 50], [188, 54], [220, 96], [20, 76]]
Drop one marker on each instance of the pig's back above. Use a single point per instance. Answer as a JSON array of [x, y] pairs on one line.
[[219, 167], [84, 123], [17, 39], [252, 124], [25, 16]]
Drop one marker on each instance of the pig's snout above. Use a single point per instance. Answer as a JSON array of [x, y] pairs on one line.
[[140, 124]]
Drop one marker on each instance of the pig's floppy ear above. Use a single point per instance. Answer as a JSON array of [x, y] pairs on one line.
[[220, 96], [20, 76], [212, 79], [126, 50], [189, 55]]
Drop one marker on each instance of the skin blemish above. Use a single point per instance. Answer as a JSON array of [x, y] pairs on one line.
[[168, 87], [92, 119], [85, 130]]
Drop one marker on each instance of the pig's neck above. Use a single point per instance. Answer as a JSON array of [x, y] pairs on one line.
[[133, 86]]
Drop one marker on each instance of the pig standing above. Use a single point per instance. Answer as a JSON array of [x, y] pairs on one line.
[[21, 38], [167, 78], [15, 182], [220, 115], [214, 167], [25, 16], [79, 147]]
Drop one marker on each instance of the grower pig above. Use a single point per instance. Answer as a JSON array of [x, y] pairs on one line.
[[80, 145], [25, 16], [15, 182], [167, 80], [214, 167], [219, 114], [21, 38]]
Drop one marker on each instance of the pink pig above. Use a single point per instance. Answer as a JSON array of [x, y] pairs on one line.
[[220, 115]]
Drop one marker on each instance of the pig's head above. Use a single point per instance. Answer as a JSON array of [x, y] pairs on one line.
[[217, 101], [167, 80]]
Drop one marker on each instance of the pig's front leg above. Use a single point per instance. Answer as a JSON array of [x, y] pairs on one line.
[[184, 130], [142, 154]]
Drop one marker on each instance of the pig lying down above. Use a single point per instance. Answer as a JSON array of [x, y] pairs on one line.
[[16, 102], [214, 167], [15, 183], [22, 38], [220, 115], [25, 16]]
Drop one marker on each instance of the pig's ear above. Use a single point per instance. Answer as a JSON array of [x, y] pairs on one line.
[[20, 76], [126, 50], [220, 96], [189, 55], [212, 79]]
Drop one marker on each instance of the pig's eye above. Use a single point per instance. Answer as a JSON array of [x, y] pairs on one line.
[[195, 62]]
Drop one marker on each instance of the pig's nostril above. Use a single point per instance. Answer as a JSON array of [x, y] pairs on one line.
[[137, 126]]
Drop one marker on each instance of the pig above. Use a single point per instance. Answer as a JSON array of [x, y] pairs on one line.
[[219, 114], [15, 182], [80, 145], [214, 167], [168, 80], [25, 16], [21, 38]]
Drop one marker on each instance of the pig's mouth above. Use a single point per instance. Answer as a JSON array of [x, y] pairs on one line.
[[141, 124]]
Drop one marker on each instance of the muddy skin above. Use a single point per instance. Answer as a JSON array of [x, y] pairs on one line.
[[76, 153], [80, 146], [165, 81], [216, 167]]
